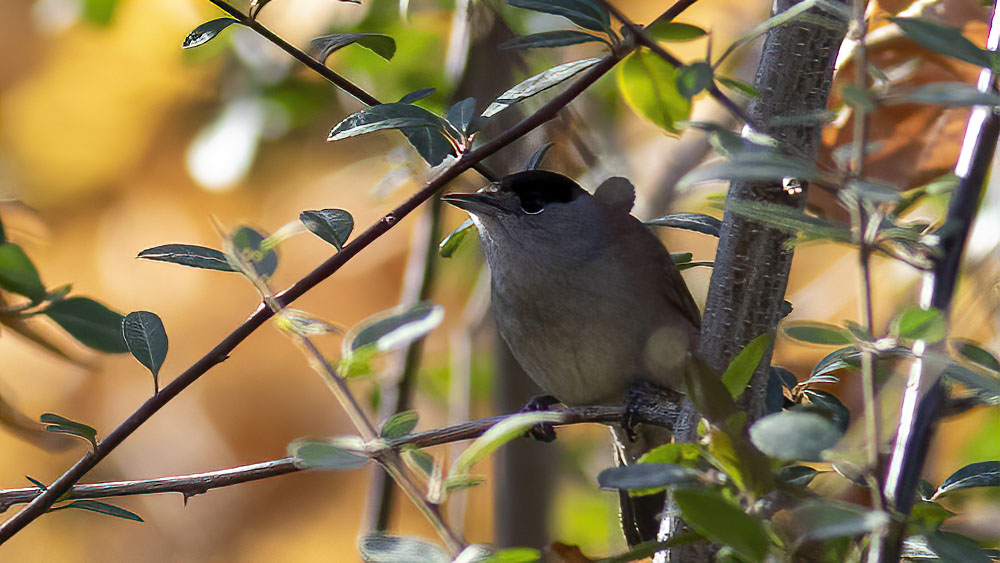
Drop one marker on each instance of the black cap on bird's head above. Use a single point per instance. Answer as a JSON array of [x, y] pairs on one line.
[[528, 192]]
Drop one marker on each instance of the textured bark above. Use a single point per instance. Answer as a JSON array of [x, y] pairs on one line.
[[752, 262]]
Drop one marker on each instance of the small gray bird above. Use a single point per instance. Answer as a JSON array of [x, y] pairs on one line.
[[588, 299]]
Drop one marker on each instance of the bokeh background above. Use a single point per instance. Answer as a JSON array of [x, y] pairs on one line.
[[113, 139]]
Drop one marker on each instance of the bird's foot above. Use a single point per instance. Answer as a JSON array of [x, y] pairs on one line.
[[649, 403], [545, 431]]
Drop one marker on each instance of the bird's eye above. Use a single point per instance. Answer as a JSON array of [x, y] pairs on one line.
[[532, 203]]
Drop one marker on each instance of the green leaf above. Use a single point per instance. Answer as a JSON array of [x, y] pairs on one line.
[[146, 340], [842, 358], [382, 45], [417, 95], [329, 454], [822, 334], [917, 323], [304, 324], [433, 145], [583, 13], [753, 166], [821, 520], [18, 274], [694, 78], [499, 434], [394, 328], [797, 475], [462, 116], [981, 474], [89, 322], [645, 476], [944, 39], [332, 225], [948, 94], [839, 414], [707, 393], [399, 424], [649, 86], [385, 116], [976, 354], [61, 425], [956, 548], [987, 388], [450, 244], [927, 516], [674, 32], [743, 366], [385, 548], [680, 453], [537, 84], [100, 508], [514, 555], [99, 12], [3, 234], [742, 87], [548, 39], [697, 222], [189, 255], [247, 244], [794, 434], [715, 518], [458, 482], [206, 32]]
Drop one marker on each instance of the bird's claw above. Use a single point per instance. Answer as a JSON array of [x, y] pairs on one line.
[[545, 431]]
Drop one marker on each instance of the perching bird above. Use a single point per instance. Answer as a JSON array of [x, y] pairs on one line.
[[588, 299]]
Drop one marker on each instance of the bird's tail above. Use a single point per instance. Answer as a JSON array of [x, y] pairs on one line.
[[640, 515]]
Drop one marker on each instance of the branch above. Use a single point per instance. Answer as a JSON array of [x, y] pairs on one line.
[[199, 483], [222, 350], [321, 69]]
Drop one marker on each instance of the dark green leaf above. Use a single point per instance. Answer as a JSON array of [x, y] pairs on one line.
[[385, 116], [976, 354], [247, 243], [649, 86], [417, 95], [917, 323], [645, 476], [583, 13], [794, 434], [537, 84], [839, 359], [753, 166], [697, 222], [89, 322], [944, 39], [399, 424], [948, 94], [17, 273], [433, 145], [382, 45], [100, 508], [206, 32], [707, 393], [450, 244], [858, 98], [547, 39], [956, 548], [787, 378], [146, 340], [839, 414], [694, 78], [986, 387], [674, 32], [774, 396], [535, 160], [189, 255], [462, 116], [825, 520], [36, 483], [715, 518], [798, 475], [981, 474], [385, 548], [62, 425], [817, 333], [393, 328], [311, 454], [99, 12], [332, 225], [741, 369]]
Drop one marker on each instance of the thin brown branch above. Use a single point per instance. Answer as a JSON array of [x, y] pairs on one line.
[[199, 483]]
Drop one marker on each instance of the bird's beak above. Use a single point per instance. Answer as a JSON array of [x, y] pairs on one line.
[[474, 203]]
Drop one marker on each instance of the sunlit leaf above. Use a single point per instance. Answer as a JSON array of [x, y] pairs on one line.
[[584, 13], [206, 32], [332, 225], [981, 474], [101, 508], [189, 255], [393, 328], [499, 434], [794, 435], [450, 243], [304, 324], [146, 340], [399, 424], [673, 31], [649, 86], [680, 453], [548, 39], [385, 548], [822, 334], [89, 322], [382, 45], [917, 323], [62, 425], [944, 39], [99, 12], [715, 518], [18, 274], [742, 367], [514, 555], [697, 222], [458, 482], [537, 84], [313, 454]]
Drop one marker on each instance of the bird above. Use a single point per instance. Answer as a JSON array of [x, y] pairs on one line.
[[588, 300]]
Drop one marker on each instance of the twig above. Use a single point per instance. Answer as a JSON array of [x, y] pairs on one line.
[[925, 393], [222, 350], [199, 483], [339, 81]]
